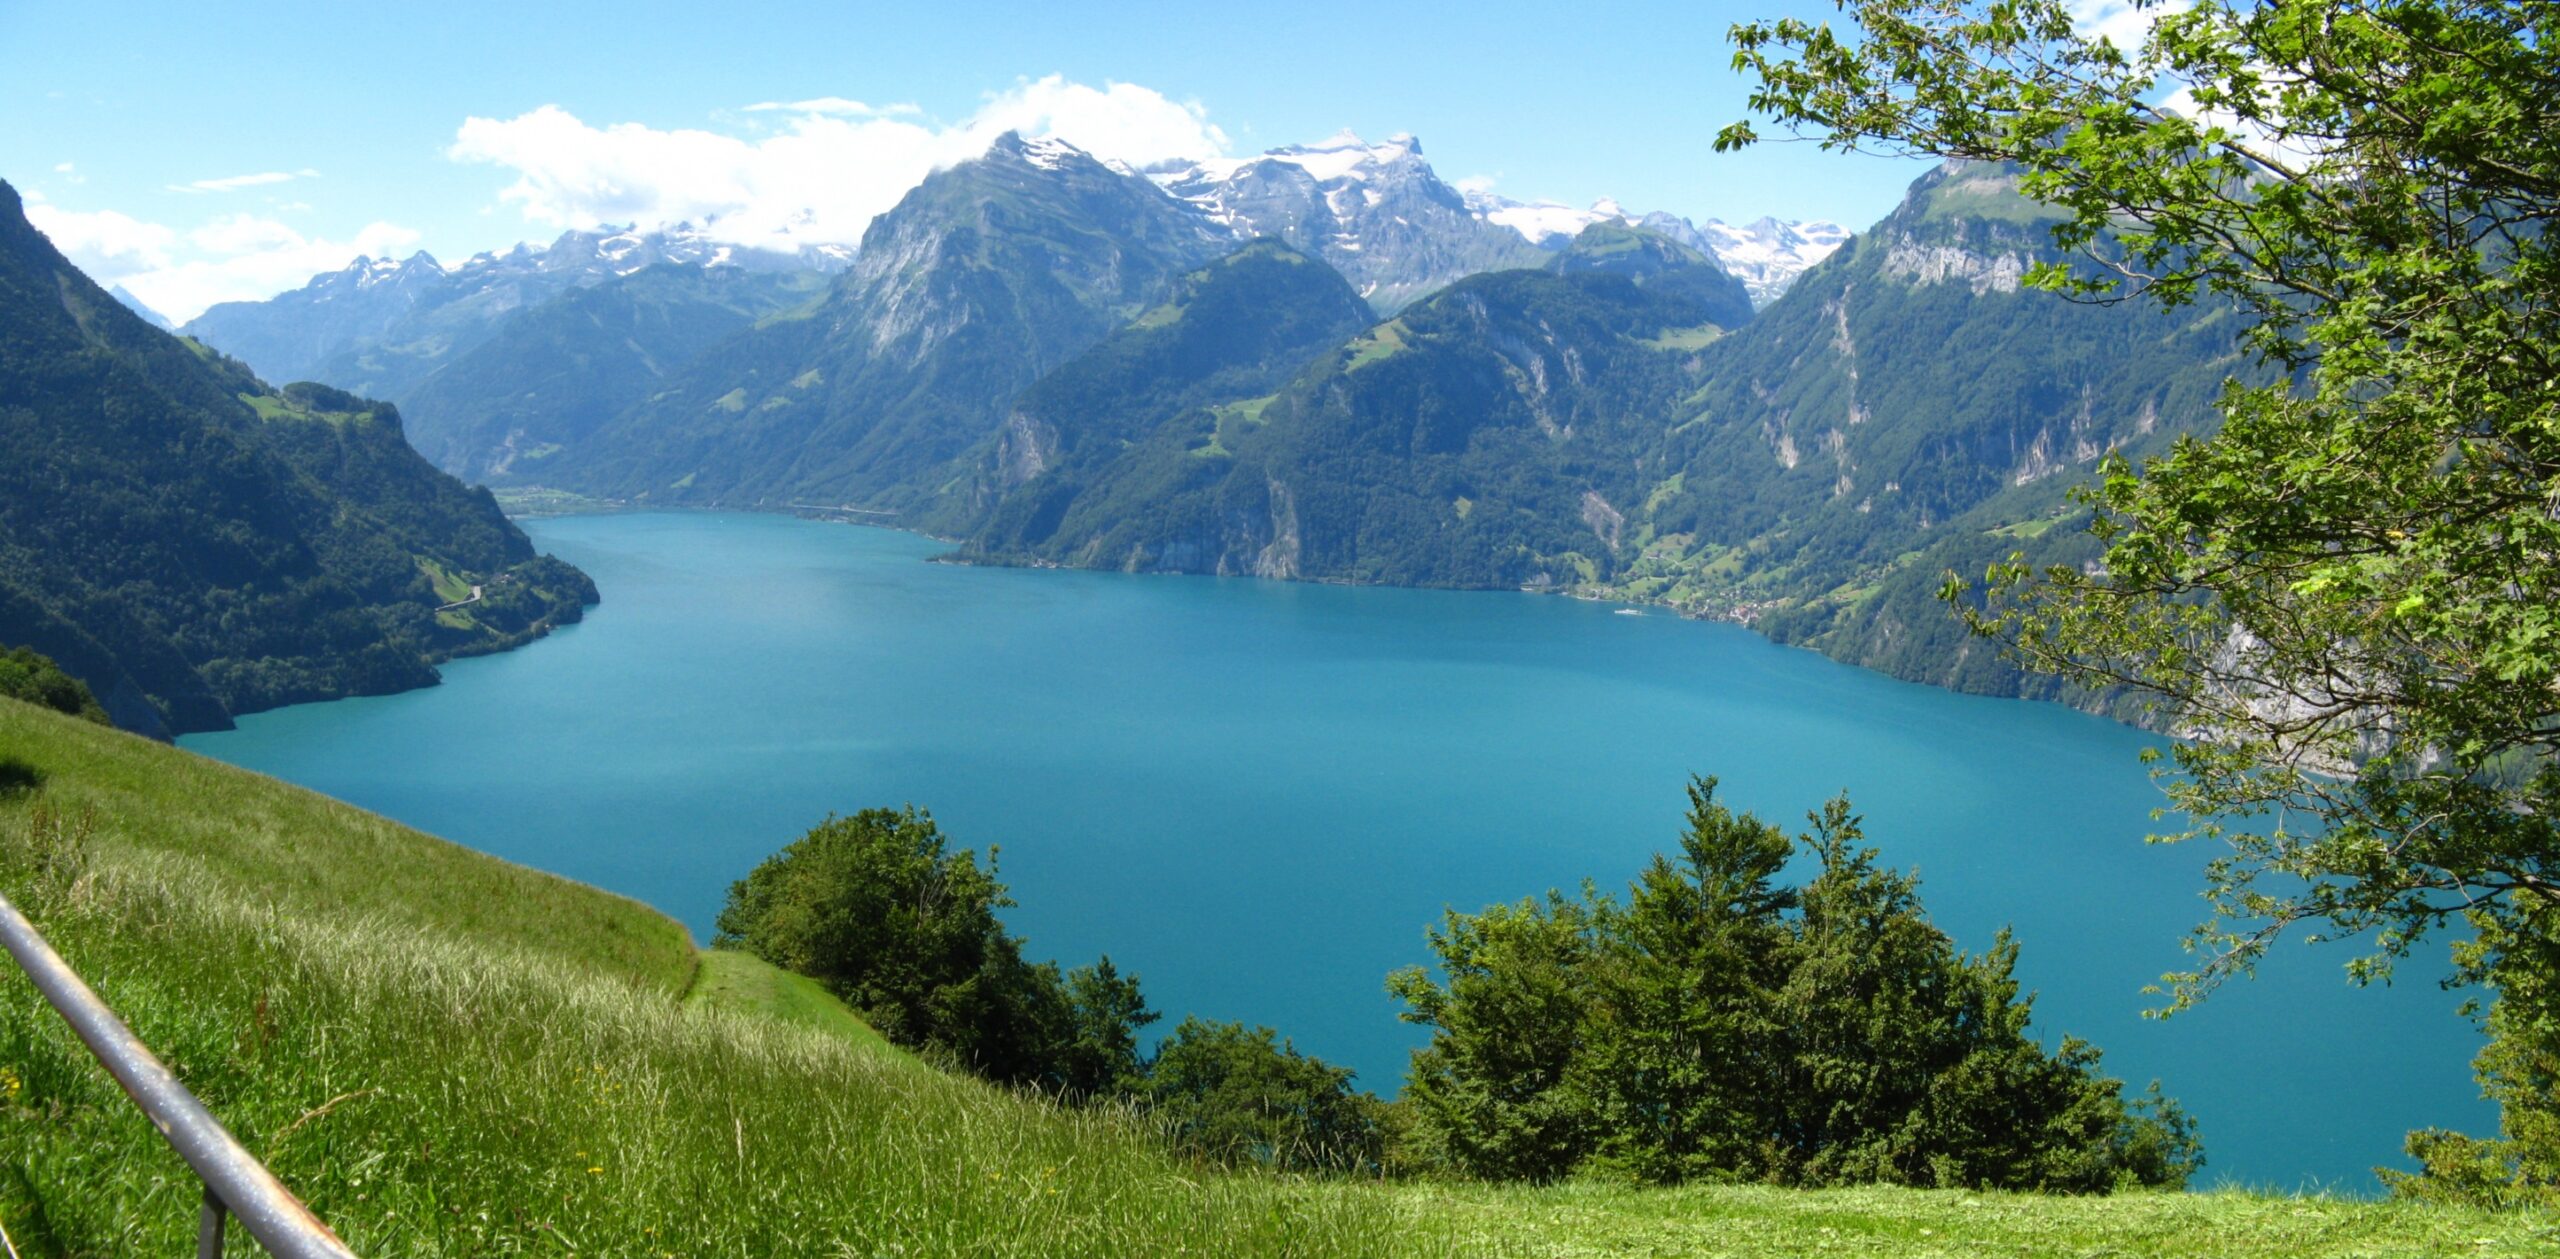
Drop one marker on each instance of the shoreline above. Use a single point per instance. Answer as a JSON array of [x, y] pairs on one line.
[[1742, 613]]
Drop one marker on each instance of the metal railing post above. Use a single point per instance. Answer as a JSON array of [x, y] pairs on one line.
[[209, 1227], [235, 1182]]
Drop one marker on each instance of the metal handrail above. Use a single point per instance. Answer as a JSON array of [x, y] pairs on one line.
[[235, 1182]]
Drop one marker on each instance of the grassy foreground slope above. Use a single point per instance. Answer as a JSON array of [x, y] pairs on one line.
[[448, 1054]]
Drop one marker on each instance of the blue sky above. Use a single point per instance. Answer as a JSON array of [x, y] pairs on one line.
[[210, 151]]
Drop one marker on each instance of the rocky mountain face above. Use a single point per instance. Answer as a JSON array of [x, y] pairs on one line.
[[1907, 408], [1490, 435], [382, 326], [980, 281], [506, 373], [193, 544], [1377, 213], [1159, 404]]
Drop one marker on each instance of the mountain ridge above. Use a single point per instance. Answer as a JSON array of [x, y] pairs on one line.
[[194, 544]]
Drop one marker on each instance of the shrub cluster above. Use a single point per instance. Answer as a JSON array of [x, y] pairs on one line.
[[1720, 1026], [28, 675], [881, 911]]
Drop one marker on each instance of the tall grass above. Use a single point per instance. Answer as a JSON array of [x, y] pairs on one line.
[[446, 1055]]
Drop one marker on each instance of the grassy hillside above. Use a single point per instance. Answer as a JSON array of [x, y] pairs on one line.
[[448, 1054]]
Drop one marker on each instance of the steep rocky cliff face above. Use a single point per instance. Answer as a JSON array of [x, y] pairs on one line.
[[1096, 441], [1910, 408]]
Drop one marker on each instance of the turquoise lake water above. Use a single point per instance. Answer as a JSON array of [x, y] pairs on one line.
[[1257, 794]]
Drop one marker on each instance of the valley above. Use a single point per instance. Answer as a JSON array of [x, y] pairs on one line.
[[609, 648]]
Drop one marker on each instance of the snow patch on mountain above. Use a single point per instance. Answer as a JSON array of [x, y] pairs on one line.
[[1767, 255], [1545, 224]]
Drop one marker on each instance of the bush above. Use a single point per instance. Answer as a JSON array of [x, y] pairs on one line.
[[26, 675], [880, 911], [2518, 955], [1237, 1096]]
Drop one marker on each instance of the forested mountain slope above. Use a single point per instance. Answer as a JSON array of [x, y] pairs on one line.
[[1907, 408], [559, 371], [1097, 438], [194, 544], [1485, 437]]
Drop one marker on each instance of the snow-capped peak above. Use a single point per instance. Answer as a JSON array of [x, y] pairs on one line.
[[1045, 152], [1340, 156], [1049, 152]]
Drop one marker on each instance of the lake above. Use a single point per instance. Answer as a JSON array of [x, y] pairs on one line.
[[1256, 795]]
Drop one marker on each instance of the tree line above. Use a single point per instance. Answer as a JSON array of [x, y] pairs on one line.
[[1714, 1025]]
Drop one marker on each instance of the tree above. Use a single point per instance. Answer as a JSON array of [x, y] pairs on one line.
[[1234, 1096], [2519, 1069], [2349, 596], [1503, 1091], [874, 907], [1099, 1056], [1719, 1026], [1686, 1038], [26, 674], [878, 909], [1910, 1063]]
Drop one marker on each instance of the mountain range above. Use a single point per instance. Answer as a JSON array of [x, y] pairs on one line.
[[1378, 213], [1323, 362], [381, 326]]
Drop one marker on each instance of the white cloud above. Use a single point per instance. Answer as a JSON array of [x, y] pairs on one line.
[[237, 258], [234, 183], [2126, 23], [832, 105], [821, 179], [1474, 183], [103, 241]]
